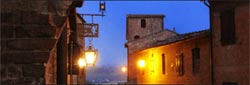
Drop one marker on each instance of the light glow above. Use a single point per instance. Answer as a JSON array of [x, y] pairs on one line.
[[81, 63], [90, 57], [141, 63], [124, 69]]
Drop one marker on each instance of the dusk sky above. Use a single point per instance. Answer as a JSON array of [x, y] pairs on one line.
[[185, 16]]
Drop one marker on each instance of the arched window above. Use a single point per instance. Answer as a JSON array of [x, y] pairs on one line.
[[143, 23]]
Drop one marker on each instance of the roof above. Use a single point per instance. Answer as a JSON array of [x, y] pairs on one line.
[[181, 37], [171, 31], [145, 15]]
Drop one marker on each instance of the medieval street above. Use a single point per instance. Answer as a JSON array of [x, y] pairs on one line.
[[123, 42]]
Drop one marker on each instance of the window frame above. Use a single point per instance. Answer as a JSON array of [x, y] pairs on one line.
[[180, 64]]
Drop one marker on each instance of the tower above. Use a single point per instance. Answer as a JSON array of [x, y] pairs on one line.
[[139, 26]]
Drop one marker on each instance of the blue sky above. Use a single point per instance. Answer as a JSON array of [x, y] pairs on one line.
[[185, 16]]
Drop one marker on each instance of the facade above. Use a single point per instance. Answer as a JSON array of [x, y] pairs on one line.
[[170, 58], [230, 41], [35, 35]]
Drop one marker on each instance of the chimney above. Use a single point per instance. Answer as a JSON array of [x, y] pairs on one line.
[[174, 29]]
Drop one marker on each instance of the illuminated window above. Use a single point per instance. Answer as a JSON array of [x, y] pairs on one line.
[[179, 65], [227, 27], [196, 60], [163, 63], [143, 23]]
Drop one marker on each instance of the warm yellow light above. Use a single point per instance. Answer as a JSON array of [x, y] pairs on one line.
[[102, 6], [90, 57], [81, 63], [124, 69], [141, 63]]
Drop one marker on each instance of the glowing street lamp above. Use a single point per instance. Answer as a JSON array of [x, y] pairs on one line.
[[141, 63], [81, 62], [91, 56], [124, 69], [102, 6]]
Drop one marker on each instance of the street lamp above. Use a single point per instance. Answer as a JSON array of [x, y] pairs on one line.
[[87, 59], [82, 74], [81, 62], [141, 63], [90, 56], [102, 7], [124, 69]]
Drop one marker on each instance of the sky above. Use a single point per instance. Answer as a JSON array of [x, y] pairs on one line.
[[185, 16]]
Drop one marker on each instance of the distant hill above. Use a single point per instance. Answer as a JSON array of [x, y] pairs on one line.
[[105, 75]]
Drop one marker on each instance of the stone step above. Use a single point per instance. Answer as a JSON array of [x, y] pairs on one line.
[[24, 57], [29, 44]]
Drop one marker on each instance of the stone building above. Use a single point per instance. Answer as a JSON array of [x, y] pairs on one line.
[[230, 41], [170, 58], [218, 56], [35, 35]]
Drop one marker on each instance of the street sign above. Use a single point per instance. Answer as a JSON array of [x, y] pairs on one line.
[[88, 30]]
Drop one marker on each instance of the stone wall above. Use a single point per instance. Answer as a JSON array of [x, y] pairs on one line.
[[231, 62], [154, 24], [30, 30]]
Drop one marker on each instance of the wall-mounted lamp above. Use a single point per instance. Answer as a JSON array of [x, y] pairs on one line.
[[81, 62], [141, 63]]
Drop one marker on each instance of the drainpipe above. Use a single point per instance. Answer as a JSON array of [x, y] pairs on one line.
[[207, 3]]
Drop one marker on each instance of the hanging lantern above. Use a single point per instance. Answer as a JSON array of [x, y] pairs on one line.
[[90, 56], [102, 6]]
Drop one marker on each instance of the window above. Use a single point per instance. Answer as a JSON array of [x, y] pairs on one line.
[[163, 63], [196, 60], [179, 65], [227, 27], [229, 83], [136, 37], [143, 23]]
